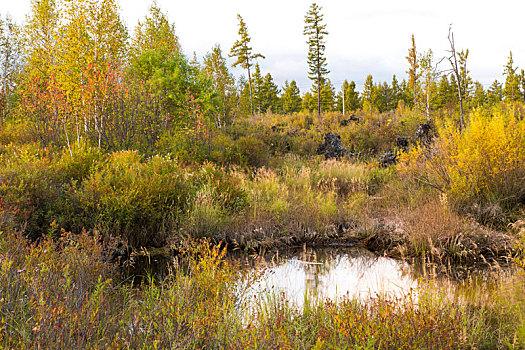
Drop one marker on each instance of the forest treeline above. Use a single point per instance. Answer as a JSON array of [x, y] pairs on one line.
[[72, 71]]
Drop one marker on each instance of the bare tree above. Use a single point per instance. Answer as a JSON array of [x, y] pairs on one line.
[[455, 69]]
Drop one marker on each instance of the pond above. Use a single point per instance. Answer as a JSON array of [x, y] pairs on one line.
[[335, 273], [317, 274]]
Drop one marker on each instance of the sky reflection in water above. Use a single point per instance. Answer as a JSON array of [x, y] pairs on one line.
[[354, 273]]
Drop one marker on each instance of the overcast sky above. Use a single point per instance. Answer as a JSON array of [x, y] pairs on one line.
[[365, 36]]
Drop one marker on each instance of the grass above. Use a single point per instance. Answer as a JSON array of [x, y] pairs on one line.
[[60, 294], [60, 291]]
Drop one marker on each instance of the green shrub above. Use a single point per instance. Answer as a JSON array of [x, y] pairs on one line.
[[139, 201], [253, 151]]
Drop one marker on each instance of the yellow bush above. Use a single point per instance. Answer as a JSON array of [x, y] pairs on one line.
[[484, 164]]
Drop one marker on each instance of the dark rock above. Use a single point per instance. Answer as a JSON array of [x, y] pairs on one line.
[[388, 158], [402, 142], [424, 133], [332, 147], [352, 118]]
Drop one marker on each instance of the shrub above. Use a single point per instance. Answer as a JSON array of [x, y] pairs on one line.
[[253, 151], [16, 131], [140, 201], [482, 166]]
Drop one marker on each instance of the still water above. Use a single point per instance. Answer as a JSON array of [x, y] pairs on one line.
[[318, 274], [328, 273]]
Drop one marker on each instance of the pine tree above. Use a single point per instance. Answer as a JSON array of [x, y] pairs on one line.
[[327, 96], [465, 79], [316, 31], [309, 102], [446, 93], [413, 73], [257, 88], [511, 91], [243, 52], [270, 95], [351, 97], [495, 93], [382, 99], [368, 94], [397, 93], [291, 98], [480, 97]]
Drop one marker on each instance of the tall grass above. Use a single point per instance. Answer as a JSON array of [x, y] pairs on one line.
[[60, 294]]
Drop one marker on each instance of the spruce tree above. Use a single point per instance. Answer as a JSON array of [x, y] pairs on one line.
[[243, 52], [257, 88], [327, 96], [270, 95], [495, 93], [512, 86], [316, 31], [413, 73], [397, 93], [368, 94], [291, 98]]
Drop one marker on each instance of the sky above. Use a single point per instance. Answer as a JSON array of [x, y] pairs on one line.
[[365, 36]]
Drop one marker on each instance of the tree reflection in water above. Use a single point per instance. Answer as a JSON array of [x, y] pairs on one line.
[[334, 273]]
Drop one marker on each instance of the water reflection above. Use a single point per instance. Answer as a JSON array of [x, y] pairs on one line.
[[354, 273]]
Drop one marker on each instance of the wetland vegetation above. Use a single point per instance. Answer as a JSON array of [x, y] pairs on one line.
[[110, 162]]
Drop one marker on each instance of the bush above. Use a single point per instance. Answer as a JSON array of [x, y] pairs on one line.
[[138, 201], [253, 151], [482, 166]]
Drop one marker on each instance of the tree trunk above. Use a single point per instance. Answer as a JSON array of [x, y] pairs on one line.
[[319, 94], [251, 93]]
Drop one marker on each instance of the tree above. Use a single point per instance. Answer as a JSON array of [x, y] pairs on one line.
[[270, 94], [327, 96], [10, 63], [223, 84], [368, 94], [397, 92], [243, 52], [158, 63], [446, 93], [41, 34], [257, 88], [92, 43], [522, 83], [495, 93], [351, 97], [480, 97], [453, 60], [291, 98], [155, 32], [413, 73], [465, 79], [309, 102], [511, 91], [316, 31], [429, 74]]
